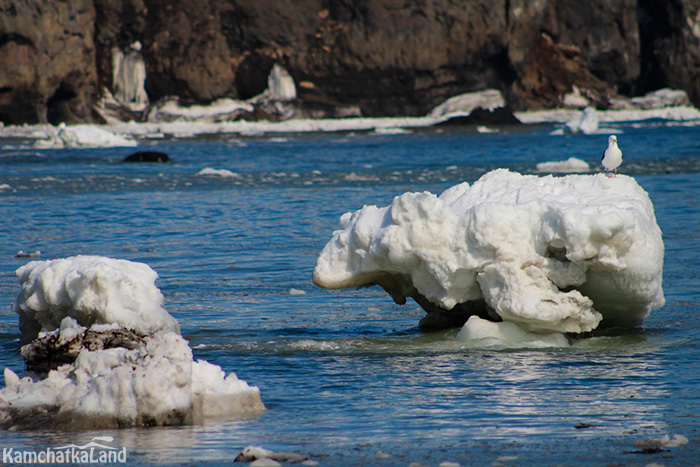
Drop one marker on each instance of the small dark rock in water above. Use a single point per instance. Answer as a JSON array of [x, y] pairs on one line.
[[147, 156], [653, 450], [584, 426]]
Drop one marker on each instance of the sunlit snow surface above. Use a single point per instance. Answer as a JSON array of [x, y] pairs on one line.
[[152, 380], [549, 254], [346, 373]]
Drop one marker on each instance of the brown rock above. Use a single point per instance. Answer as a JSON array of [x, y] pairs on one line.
[[551, 70], [47, 61], [387, 57]]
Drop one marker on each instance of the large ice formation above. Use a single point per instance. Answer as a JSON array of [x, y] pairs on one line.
[[108, 355], [550, 254]]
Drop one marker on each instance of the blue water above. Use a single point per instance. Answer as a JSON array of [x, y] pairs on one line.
[[346, 374]]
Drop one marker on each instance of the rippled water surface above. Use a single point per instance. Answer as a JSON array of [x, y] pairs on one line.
[[346, 374]]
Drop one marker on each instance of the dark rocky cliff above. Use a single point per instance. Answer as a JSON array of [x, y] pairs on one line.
[[389, 57]]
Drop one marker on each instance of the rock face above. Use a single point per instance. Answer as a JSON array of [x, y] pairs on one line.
[[47, 61], [389, 57]]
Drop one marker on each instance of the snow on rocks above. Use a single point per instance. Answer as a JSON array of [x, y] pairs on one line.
[[464, 104], [115, 359], [83, 136], [548, 254]]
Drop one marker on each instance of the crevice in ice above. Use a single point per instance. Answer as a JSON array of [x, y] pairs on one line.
[[557, 252]]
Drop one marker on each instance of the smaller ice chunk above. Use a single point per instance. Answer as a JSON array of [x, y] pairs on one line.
[[586, 123], [570, 165], [211, 172], [84, 136], [506, 334], [253, 453]]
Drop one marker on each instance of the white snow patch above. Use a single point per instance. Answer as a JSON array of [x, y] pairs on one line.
[[506, 334], [661, 98], [220, 109], [223, 173], [92, 290], [83, 136], [552, 254], [465, 104], [570, 165], [586, 123]]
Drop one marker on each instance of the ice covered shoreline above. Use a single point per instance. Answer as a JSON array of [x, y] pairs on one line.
[[198, 121]]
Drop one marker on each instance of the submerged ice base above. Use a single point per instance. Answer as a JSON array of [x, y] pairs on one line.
[[105, 354], [548, 254]]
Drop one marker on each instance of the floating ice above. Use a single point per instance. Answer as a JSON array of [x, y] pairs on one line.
[[253, 453], [586, 123], [570, 165], [223, 173], [505, 333], [83, 136], [549, 254], [92, 290], [132, 370]]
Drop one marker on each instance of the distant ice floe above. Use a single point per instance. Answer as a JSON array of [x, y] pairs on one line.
[[570, 165], [103, 353], [587, 123], [211, 172], [543, 255], [83, 136]]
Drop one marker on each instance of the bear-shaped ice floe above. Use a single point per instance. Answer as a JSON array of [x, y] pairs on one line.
[[551, 254], [115, 359]]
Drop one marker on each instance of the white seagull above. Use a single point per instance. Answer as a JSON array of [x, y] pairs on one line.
[[612, 157]]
